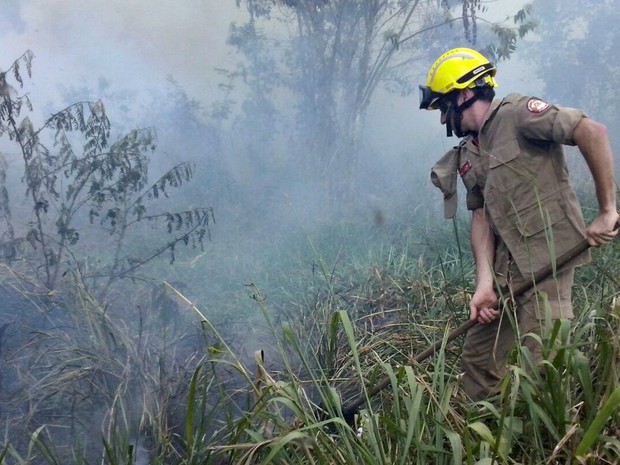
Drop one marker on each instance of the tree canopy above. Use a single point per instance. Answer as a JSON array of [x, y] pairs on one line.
[[319, 63], [575, 54]]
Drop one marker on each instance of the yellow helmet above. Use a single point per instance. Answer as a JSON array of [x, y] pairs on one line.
[[456, 69]]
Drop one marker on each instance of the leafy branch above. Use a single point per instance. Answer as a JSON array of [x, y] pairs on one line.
[[73, 172]]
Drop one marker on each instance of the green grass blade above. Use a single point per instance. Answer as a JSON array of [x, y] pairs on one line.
[[592, 434], [191, 405]]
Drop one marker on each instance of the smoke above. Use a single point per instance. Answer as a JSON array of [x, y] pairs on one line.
[[134, 44], [126, 50]]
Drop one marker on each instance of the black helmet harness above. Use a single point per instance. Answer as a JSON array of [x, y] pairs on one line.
[[454, 113]]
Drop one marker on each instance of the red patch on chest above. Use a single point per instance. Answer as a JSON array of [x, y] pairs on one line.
[[465, 168]]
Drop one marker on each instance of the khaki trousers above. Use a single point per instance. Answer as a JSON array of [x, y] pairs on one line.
[[486, 346]]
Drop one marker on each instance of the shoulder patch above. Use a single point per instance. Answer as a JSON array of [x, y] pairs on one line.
[[535, 105]]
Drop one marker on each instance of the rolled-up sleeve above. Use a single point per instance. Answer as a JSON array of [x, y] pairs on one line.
[[539, 120]]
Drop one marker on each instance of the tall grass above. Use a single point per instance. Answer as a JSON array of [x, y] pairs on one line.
[[560, 414], [360, 320]]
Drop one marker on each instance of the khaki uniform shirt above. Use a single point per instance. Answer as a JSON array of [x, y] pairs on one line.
[[516, 171]]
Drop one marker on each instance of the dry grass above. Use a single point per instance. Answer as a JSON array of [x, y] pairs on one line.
[[136, 385]]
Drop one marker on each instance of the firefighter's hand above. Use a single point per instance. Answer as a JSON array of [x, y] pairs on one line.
[[603, 229], [480, 305]]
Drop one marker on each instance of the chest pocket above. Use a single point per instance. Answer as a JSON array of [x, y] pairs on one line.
[[504, 153], [512, 180]]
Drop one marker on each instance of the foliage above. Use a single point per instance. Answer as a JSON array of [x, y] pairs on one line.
[[332, 57], [566, 413], [582, 71], [367, 320], [351, 319], [78, 360], [74, 176], [72, 378]]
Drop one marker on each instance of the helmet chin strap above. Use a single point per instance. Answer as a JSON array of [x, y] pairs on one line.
[[455, 115]]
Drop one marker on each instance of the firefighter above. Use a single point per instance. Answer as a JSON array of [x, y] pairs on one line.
[[524, 211]]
